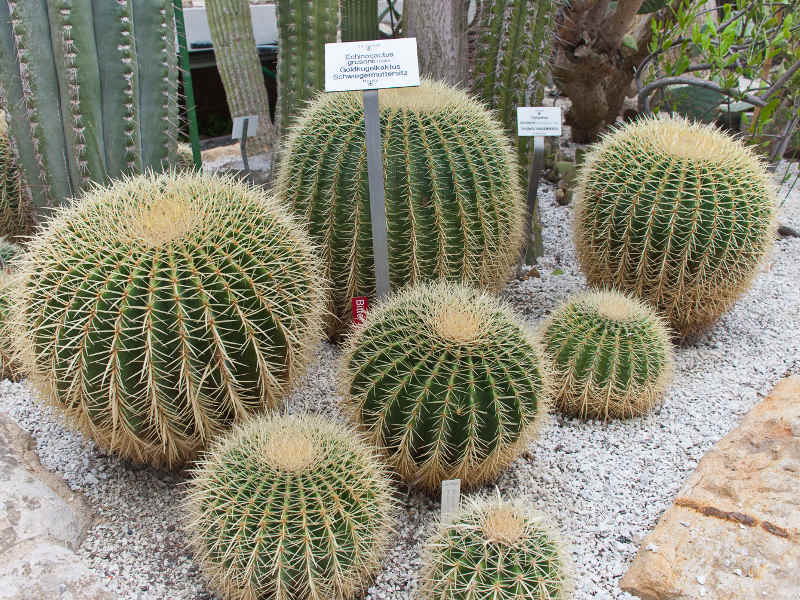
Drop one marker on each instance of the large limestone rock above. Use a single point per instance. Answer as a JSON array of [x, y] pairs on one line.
[[734, 530], [42, 523]]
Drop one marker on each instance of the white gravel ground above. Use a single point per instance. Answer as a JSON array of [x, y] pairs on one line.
[[605, 485]]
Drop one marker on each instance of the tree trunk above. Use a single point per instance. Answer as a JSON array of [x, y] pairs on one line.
[[592, 67], [441, 31], [239, 66]]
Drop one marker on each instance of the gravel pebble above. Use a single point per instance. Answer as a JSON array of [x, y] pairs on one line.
[[605, 485]]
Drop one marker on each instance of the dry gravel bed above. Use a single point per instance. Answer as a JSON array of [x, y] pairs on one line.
[[605, 485]]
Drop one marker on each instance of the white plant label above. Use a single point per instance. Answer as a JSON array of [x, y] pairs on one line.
[[538, 120], [451, 498], [371, 65], [238, 126]]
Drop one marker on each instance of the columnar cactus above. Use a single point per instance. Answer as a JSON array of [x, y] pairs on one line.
[[359, 20], [611, 356], [91, 89], [447, 382], [15, 210], [503, 550], [512, 57], [158, 311], [290, 508], [453, 202], [678, 213]]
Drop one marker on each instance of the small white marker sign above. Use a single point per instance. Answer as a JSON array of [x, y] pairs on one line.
[[451, 498], [371, 65], [238, 126], [538, 120]]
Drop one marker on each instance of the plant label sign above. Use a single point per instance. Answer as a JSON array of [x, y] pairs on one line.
[[538, 121], [451, 499], [360, 308], [371, 65], [238, 126]]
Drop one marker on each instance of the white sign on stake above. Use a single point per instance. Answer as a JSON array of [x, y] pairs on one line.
[[538, 120], [371, 65], [451, 498], [238, 126]]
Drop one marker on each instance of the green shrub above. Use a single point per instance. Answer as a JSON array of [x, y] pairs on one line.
[[679, 214], [290, 508], [447, 382], [160, 310]]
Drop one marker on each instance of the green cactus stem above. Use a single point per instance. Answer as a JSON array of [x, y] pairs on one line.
[[503, 550], [290, 508], [680, 214], [611, 356], [16, 220], [453, 202], [446, 382], [157, 312], [359, 20]]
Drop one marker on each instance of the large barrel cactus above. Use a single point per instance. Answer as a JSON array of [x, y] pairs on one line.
[[158, 311], [91, 89], [498, 549], [447, 382], [678, 213], [290, 508], [611, 356], [453, 204]]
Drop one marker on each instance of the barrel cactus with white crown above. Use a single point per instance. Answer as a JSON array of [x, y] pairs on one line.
[[611, 356], [678, 213], [447, 382], [454, 207], [498, 549], [290, 508], [157, 312]]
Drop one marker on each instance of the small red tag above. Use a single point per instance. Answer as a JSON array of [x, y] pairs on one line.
[[360, 307]]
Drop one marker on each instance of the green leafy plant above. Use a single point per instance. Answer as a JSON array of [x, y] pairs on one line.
[[453, 202], [156, 312], [504, 550], [679, 214], [611, 356], [447, 382], [290, 508], [745, 52], [91, 90]]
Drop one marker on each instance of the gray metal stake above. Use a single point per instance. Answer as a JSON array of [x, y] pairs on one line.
[[532, 252], [243, 145], [377, 205]]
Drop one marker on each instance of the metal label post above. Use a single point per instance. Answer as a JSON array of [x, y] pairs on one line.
[[377, 204], [533, 243], [243, 145]]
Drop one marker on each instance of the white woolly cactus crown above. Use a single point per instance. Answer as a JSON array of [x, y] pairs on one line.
[[499, 549], [290, 508], [160, 310], [678, 213]]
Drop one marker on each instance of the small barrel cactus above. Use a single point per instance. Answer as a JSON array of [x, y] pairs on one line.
[[9, 367], [15, 211], [290, 508], [454, 207], [503, 550], [447, 382], [611, 355], [679, 213], [158, 311]]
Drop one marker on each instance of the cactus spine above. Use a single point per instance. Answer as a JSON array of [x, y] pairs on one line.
[[447, 382], [97, 83], [611, 356], [504, 550], [290, 508], [512, 59], [453, 202], [678, 213], [158, 311], [15, 202]]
